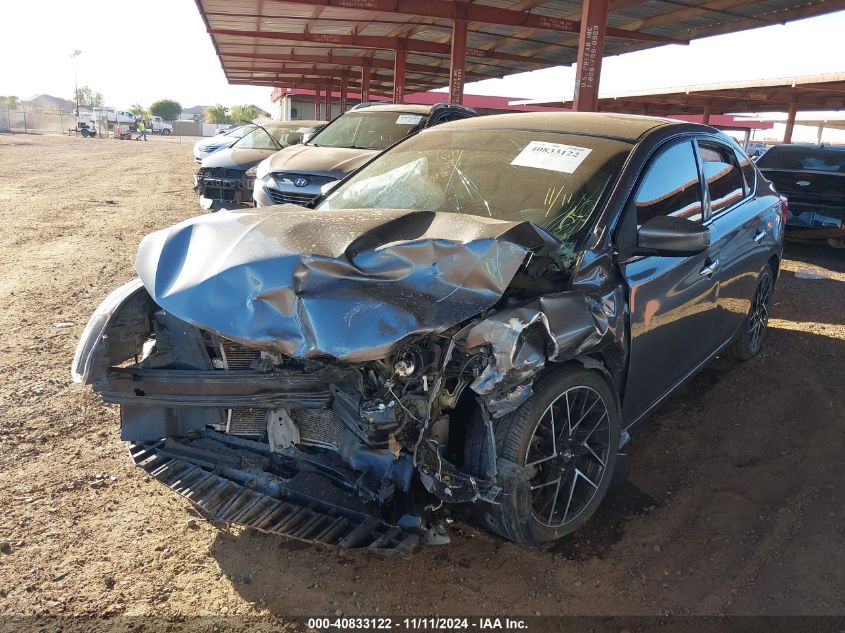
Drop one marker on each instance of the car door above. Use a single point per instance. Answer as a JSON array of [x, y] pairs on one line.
[[741, 228], [672, 299]]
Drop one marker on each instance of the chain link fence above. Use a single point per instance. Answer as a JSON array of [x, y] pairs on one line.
[[27, 121]]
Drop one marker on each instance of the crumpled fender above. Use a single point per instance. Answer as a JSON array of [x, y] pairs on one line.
[[523, 339]]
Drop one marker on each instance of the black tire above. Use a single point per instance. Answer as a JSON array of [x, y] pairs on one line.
[[751, 336], [579, 472], [85, 133]]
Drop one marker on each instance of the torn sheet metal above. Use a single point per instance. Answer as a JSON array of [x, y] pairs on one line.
[[522, 339], [349, 284]]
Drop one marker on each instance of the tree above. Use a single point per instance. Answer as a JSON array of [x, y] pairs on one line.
[[240, 113], [167, 109], [217, 114], [87, 97], [139, 111], [10, 100]]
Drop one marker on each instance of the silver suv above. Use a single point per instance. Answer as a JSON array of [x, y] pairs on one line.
[[297, 175]]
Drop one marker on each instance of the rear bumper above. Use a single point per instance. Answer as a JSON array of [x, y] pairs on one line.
[[815, 225]]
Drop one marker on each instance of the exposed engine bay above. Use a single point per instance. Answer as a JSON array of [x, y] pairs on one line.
[[273, 375]]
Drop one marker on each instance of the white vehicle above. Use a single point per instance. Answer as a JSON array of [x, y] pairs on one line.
[[108, 115], [207, 146], [121, 116], [86, 125], [157, 125]]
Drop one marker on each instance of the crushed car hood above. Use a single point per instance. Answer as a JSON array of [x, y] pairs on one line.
[[336, 161], [236, 158], [343, 284]]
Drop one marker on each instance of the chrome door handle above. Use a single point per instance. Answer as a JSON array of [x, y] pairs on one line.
[[710, 268], [759, 235]]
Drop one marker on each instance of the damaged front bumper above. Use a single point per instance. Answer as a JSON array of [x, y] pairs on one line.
[[262, 441], [220, 188], [348, 356], [241, 482]]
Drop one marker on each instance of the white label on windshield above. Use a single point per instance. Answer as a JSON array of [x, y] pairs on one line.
[[552, 156], [305, 130], [408, 119]]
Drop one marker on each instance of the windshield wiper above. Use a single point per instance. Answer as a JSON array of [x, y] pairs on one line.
[[273, 140]]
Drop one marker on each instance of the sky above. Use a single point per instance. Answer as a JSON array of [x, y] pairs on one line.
[[166, 54]]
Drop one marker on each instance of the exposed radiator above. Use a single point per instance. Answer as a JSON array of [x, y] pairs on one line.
[[318, 427], [247, 422], [237, 356]]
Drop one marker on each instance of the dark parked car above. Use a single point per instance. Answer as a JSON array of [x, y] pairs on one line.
[[477, 317], [297, 175], [226, 176], [812, 177], [755, 150]]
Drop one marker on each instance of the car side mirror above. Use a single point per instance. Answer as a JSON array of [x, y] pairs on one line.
[[667, 235]]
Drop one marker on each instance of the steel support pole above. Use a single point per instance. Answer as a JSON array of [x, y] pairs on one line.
[[344, 89], [317, 104], [590, 53], [705, 118], [457, 61], [819, 133], [365, 84], [746, 139], [790, 122], [399, 75]]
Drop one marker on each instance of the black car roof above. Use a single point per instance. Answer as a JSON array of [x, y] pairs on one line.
[[622, 126], [808, 146]]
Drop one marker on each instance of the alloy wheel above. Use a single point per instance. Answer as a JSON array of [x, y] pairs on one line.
[[758, 318], [567, 456]]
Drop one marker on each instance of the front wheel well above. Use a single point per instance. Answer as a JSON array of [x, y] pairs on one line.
[[774, 262]]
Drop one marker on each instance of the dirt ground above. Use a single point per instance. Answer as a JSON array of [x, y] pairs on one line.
[[733, 504]]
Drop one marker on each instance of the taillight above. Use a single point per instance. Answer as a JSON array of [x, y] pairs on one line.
[[784, 208]]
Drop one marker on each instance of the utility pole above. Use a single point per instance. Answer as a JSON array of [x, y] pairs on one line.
[[73, 56]]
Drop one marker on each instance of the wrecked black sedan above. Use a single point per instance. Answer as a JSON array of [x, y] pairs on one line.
[[475, 319]]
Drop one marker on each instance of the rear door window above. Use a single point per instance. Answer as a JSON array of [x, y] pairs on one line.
[[671, 186], [722, 175], [749, 173]]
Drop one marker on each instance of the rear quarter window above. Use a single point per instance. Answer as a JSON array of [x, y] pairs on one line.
[[725, 181]]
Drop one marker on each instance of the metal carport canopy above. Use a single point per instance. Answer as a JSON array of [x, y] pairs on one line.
[[390, 46], [805, 93]]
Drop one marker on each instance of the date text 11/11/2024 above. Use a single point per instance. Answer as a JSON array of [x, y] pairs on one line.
[[417, 624]]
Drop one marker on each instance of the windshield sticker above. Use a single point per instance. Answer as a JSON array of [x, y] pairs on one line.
[[408, 119], [305, 130], [552, 156]]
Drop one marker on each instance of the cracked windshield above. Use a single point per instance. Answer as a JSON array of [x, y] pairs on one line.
[[553, 180]]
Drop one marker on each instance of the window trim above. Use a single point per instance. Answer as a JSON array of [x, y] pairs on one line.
[[623, 230], [752, 187], [657, 154], [709, 216]]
